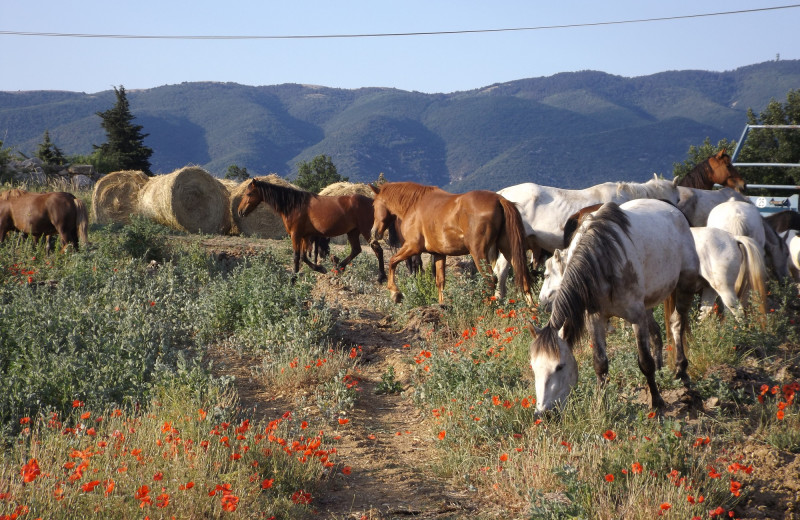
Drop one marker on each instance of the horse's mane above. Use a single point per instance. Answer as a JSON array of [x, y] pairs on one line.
[[400, 196], [595, 259], [699, 176], [12, 194], [653, 189], [282, 199]]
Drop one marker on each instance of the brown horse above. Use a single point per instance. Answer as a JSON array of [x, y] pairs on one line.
[[308, 216], [717, 169], [44, 214], [481, 223]]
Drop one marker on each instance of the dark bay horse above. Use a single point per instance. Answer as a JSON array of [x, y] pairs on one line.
[[481, 223], [44, 214], [784, 220], [717, 169], [308, 216]]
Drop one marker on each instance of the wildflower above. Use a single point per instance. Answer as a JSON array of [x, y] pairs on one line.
[[110, 485], [442, 434], [736, 488], [525, 403], [301, 497], [665, 506], [344, 421], [86, 415], [77, 404], [162, 500], [347, 470], [609, 435], [636, 468], [504, 457], [89, 486], [25, 420], [780, 415], [267, 483], [30, 471], [158, 476], [303, 425], [188, 485], [609, 478]]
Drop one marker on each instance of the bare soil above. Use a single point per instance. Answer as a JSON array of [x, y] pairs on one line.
[[390, 447]]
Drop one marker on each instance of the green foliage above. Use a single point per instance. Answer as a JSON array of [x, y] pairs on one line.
[[237, 174], [49, 153], [5, 157], [124, 149], [315, 175], [698, 154], [388, 384], [773, 145]]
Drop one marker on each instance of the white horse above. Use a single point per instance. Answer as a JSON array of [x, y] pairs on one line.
[[792, 240], [545, 209], [743, 218], [622, 261], [696, 204]]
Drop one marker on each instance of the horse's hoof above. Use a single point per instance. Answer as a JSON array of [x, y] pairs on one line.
[[293, 279], [382, 278], [397, 297]]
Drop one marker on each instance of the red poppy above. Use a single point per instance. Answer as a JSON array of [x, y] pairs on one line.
[[30, 471], [609, 435], [442, 434], [267, 483], [158, 476], [609, 478], [636, 468], [344, 421], [665, 506], [347, 470], [89, 486]]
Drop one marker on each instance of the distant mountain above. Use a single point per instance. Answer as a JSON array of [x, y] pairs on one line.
[[570, 130]]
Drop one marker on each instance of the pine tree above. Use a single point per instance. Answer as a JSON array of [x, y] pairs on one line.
[[125, 149], [317, 174], [49, 153]]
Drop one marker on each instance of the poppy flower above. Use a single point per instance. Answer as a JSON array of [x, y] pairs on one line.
[[609, 435], [636, 468], [30, 471], [504, 457], [442, 434], [267, 483], [89, 486], [665, 506], [344, 421], [347, 470], [609, 478]]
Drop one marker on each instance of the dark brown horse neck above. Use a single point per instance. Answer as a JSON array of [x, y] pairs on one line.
[[399, 197], [282, 199], [699, 177]]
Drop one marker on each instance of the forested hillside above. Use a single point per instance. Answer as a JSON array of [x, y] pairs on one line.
[[570, 129]]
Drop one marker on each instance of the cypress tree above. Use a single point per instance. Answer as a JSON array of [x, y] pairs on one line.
[[125, 149]]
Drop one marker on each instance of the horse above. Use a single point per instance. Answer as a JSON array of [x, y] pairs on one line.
[[696, 204], [743, 218], [481, 223], [545, 209], [792, 240], [624, 260], [44, 214], [717, 169], [307, 216], [784, 220]]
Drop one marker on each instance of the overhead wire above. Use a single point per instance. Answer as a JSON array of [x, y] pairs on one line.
[[383, 35]]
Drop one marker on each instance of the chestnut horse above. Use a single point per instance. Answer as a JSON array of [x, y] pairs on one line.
[[717, 169], [308, 216], [481, 223], [44, 214]]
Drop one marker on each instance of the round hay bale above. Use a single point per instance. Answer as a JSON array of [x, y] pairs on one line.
[[347, 188], [262, 222], [189, 199], [116, 195]]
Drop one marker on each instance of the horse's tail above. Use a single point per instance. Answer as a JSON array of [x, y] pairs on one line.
[[752, 276], [515, 233], [81, 220]]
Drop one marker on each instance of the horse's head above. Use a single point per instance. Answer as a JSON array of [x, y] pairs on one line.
[[553, 273], [383, 219], [724, 173], [554, 368], [250, 199]]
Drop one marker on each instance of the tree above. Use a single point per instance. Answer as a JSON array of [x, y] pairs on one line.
[[773, 145], [237, 174], [125, 149], [698, 154], [49, 153], [317, 174]]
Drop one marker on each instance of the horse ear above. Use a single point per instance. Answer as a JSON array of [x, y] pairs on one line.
[[535, 331], [675, 182], [374, 188], [720, 154]]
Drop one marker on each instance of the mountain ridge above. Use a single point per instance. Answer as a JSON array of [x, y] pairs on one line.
[[571, 129]]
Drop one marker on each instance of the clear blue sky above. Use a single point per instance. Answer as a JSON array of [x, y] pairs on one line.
[[432, 63]]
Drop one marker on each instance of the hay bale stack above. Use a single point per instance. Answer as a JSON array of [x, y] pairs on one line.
[[189, 199], [347, 188], [262, 222], [116, 196]]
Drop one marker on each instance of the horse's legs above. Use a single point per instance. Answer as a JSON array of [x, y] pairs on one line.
[[404, 252], [679, 323], [656, 343], [597, 330], [484, 269], [646, 363], [501, 272], [378, 250], [355, 247], [439, 262]]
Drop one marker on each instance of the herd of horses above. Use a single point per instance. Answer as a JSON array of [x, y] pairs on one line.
[[617, 249]]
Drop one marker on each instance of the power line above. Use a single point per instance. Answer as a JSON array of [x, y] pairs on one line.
[[381, 35]]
